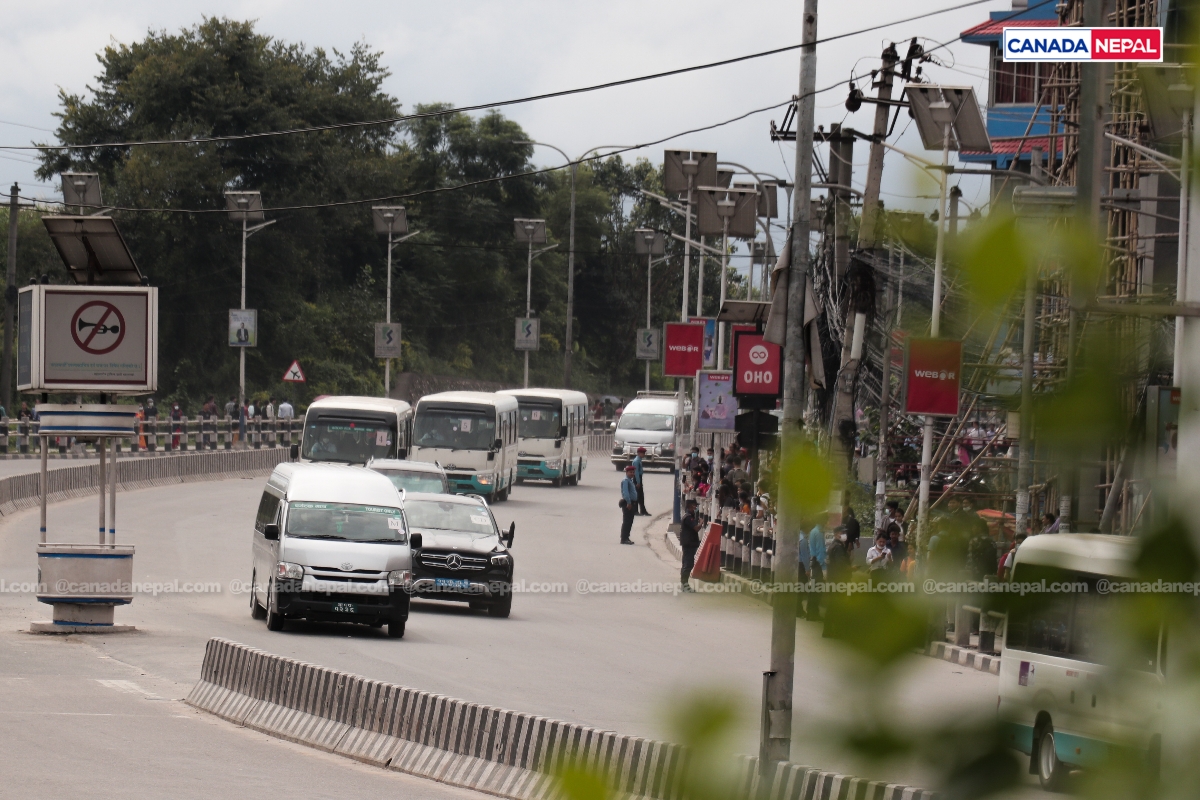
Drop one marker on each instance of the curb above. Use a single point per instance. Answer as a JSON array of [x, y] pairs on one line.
[[488, 749], [19, 492]]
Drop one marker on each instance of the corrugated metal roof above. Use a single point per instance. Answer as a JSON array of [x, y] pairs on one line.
[[994, 29]]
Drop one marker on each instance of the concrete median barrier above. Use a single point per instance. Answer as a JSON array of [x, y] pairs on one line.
[[493, 750], [19, 492]]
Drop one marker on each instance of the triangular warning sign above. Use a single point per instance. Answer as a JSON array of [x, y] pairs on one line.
[[294, 374]]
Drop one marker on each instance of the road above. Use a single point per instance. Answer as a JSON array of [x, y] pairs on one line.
[[614, 660]]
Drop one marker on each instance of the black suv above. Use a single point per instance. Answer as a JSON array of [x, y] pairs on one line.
[[463, 555]]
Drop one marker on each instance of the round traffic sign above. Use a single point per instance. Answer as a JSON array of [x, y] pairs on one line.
[[104, 324]]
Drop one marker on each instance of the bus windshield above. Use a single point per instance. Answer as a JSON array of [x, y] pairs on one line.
[[539, 421], [455, 428], [349, 440]]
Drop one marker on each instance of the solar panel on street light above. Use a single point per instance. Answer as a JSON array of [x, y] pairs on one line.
[[933, 107], [81, 188], [530, 230], [678, 164], [647, 241], [1168, 92], [93, 250], [244, 206], [739, 205], [389, 219]]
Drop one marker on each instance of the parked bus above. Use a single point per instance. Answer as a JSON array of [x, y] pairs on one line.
[[656, 421], [552, 428], [473, 435], [354, 430], [1059, 670]]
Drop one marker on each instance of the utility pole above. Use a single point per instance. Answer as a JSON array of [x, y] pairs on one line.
[[885, 398], [860, 299], [776, 744], [1025, 451], [10, 300], [570, 284]]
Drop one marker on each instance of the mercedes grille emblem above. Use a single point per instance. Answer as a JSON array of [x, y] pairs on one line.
[[453, 561], [347, 566]]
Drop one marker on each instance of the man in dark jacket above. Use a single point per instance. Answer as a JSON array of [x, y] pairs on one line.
[[689, 542]]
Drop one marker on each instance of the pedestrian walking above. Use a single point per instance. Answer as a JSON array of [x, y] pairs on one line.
[[816, 571], [628, 504], [689, 542], [639, 470]]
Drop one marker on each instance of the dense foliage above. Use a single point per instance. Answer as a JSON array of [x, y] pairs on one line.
[[317, 275]]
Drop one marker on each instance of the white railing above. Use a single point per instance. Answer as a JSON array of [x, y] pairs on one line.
[[160, 436]]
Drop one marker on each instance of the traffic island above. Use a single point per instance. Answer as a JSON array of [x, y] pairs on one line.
[[84, 584]]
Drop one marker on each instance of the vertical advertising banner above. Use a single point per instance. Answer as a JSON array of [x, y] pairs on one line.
[[683, 356], [932, 376], [710, 339], [757, 366], [243, 327], [716, 408]]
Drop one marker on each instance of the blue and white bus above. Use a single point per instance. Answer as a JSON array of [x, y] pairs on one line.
[[552, 428], [473, 435]]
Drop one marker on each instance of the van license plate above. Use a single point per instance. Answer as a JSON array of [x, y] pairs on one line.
[[457, 584], [345, 608]]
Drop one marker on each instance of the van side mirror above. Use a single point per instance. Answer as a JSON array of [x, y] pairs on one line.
[[294, 452], [415, 540], [562, 432], [498, 444], [402, 453], [508, 537], [271, 532]]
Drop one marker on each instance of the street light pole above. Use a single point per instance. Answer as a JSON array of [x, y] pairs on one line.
[[649, 265], [724, 281], [242, 350], [387, 314], [528, 302]]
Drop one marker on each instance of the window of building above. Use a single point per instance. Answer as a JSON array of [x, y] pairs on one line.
[[1016, 82]]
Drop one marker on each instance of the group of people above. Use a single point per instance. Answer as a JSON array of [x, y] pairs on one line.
[[728, 473], [605, 413]]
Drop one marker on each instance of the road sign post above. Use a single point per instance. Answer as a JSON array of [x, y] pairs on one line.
[[387, 347], [648, 343]]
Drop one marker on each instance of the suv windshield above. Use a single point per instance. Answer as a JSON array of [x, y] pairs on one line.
[[429, 482], [446, 516], [646, 422], [348, 440], [539, 421], [344, 521], [455, 429]]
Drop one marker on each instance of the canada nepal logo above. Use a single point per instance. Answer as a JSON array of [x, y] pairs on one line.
[[1083, 44]]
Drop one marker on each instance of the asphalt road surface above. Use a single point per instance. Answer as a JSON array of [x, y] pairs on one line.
[[616, 660]]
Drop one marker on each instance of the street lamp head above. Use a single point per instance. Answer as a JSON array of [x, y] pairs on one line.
[[530, 231], [244, 206], [389, 219], [934, 107], [647, 241], [678, 165], [80, 188]]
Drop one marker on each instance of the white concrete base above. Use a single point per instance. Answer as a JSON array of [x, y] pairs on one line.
[[64, 628]]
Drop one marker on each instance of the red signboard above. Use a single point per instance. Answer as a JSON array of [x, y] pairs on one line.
[[932, 375], [683, 356], [757, 366]]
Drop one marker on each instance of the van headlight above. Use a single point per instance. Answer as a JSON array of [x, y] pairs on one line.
[[399, 577], [553, 463], [290, 572]]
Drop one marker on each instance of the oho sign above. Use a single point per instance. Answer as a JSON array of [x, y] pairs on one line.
[[932, 376], [87, 339], [1083, 44], [757, 366]]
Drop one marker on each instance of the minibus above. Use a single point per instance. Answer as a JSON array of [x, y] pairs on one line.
[[354, 430], [1059, 670], [473, 436], [656, 421], [552, 429]]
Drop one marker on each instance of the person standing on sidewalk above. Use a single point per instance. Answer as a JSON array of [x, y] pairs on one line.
[[639, 470], [689, 542], [629, 497]]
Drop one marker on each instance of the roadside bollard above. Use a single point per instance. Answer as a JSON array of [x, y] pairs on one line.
[[23, 435], [4, 436]]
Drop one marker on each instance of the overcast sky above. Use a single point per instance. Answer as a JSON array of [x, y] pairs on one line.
[[467, 53]]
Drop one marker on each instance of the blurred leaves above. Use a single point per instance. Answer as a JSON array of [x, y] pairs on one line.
[[993, 260], [805, 480]]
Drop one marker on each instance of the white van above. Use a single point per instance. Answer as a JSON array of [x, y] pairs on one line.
[[1056, 700], [330, 544], [354, 430], [552, 428], [654, 420], [473, 435]]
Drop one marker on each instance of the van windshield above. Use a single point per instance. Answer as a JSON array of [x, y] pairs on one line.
[[646, 422], [445, 516], [455, 429], [346, 522], [539, 421], [348, 440], [430, 482]]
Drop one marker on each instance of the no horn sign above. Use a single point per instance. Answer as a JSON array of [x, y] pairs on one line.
[[1083, 44]]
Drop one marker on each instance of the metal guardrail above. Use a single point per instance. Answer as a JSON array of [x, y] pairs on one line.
[[161, 436]]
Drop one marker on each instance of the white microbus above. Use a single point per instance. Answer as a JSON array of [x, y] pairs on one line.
[[473, 435], [353, 430], [656, 421], [552, 427], [1057, 703]]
